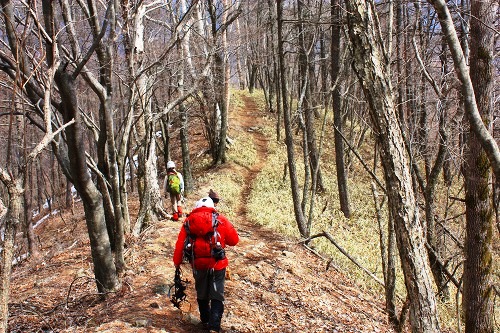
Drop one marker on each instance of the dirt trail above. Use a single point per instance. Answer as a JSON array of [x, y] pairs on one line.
[[247, 120], [276, 285]]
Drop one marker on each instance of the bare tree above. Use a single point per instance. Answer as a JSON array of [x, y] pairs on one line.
[[336, 17], [151, 205], [417, 122], [481, 152], [478, 292], [219, 29], [477, 125], [299, 213], [371, 66], [307, 40], [14, 178], [70, 149]]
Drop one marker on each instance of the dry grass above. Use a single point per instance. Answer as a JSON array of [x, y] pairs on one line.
[[270, 204]]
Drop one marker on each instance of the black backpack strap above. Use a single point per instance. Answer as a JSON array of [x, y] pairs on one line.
[[215, 220], [217, 251], [215, 224]]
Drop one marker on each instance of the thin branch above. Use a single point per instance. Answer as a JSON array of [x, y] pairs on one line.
[[94, 45], [344, 252], [453, 237], [450, 276], [45, 142], [433, 83], [170, 106], [361, 160]]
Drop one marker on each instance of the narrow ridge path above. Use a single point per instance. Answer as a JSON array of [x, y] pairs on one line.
[[249, 120], [276, 285]]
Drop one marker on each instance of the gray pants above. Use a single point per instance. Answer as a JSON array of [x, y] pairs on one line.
[[210, 284], [210, 293]]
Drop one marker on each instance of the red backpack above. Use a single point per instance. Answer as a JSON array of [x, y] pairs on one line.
[[203, 240]]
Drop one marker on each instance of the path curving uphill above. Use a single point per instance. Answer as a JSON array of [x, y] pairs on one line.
[[277, 285]]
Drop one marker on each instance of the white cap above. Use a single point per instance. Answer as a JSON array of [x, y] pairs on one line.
[[204, 202], [170, 164]]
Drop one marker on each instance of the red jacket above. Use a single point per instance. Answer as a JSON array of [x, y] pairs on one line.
[[199, 223]]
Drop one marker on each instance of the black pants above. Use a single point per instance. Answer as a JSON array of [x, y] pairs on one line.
[[210, 294]]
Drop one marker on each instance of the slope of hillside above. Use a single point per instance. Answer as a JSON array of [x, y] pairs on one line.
[[276, 285]]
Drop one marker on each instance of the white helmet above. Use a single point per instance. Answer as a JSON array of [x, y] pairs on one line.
[[204, 202], [170, 164]]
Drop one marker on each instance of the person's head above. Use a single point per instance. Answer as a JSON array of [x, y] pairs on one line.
[[170, 165], [214, 196], [204, 202]]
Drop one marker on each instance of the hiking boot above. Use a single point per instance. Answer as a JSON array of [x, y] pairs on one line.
[[175, 217]]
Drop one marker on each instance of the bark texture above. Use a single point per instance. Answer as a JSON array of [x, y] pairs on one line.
[[371, 67], [12, 221], [478, 293]]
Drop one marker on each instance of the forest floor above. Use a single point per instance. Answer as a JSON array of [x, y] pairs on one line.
[[275, 284]]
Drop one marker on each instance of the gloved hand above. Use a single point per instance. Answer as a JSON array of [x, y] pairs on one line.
[[179, 287]]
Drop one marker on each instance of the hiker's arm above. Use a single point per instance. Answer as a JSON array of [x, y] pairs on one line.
[[181, 181], [179, 247], [231, 235]]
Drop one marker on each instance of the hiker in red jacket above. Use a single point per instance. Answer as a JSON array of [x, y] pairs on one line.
[[202, 239]]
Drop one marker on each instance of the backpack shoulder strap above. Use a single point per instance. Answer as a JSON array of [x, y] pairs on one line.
[[215, 220], [186, 227], [215, 224]]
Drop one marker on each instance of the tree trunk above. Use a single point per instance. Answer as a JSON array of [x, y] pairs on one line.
[[299, 214], [106, 147], [252, 76], [183, 114], [306, 82], [104, 267], [434, 231], [275, 67], [222, 85], [388, 253], [28, 214], [151, 201], [109, 215], [337, 109], [370, 66], [151, 204], [12, 221], [39, 187], [478, 292], [186, 161], [239, 70], [426, 144], [124, 157], [165, 137]]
